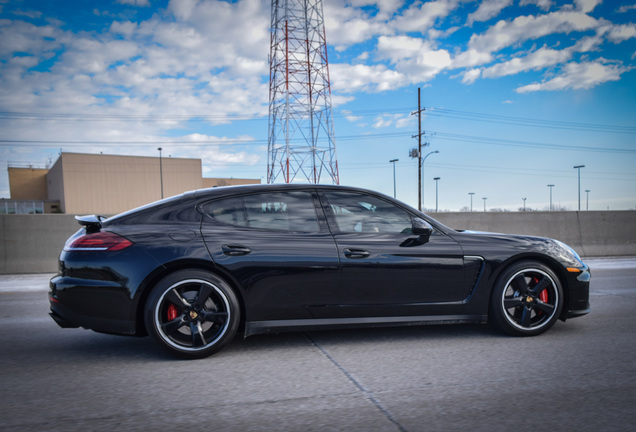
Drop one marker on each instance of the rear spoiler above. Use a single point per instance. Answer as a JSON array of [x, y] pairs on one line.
[[93, 223]]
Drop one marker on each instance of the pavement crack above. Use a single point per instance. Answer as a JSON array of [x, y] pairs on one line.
[[365, 392]]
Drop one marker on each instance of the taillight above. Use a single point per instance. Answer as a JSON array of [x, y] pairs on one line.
[[101, 241]]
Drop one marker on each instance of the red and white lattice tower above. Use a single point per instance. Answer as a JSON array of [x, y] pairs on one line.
[[301, 139]]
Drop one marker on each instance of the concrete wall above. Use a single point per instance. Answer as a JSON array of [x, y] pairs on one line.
[[590, 233], [32, 243]]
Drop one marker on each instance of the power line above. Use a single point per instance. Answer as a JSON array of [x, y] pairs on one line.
[[533, 122], [439, 135], [431, 112]]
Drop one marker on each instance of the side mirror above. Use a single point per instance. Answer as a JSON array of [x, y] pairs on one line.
[[422, 228]]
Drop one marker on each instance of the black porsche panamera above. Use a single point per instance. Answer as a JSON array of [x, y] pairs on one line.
[[192, 270]]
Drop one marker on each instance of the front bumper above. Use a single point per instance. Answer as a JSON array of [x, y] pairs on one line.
[[578, 294]]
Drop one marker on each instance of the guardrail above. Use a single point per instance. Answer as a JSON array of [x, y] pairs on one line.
[[32, 243]]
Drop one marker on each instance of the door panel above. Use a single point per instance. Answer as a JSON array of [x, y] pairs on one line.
[[277, 248], [385, 268]]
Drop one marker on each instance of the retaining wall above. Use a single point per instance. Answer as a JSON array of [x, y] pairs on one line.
[[32, 243]]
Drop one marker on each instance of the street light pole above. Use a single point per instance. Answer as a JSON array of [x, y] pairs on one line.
[[484, 198], [578, 167], [161, 171], [550, 186], [524, 204], [393, 161], [471, 200], [436, 184], [587, 200], [422, 169]]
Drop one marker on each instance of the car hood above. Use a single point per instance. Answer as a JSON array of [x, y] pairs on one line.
[[490, 244]]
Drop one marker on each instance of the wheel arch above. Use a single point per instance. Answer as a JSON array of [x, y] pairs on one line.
[[183, 264], [546, 260]]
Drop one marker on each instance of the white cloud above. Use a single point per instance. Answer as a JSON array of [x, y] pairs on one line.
[[347, 78], [626, 8], [139, 3], [586, 6], [471, 57], [19, 36], [536, 60], [471, 75], [413, 57], [507, 33], [488, 9], [398, 121], [542, 4], [28, 14], [350, 117], [578, 76], [620, 33], [420, 17], [348, 25]]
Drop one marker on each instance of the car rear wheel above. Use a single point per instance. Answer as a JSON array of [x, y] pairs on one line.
[[192, 314], [527, 299]]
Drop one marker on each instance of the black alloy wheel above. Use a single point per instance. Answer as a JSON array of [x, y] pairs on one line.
[[192, 314], [527, 299]]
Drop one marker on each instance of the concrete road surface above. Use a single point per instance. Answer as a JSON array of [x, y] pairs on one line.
[[579, 376]]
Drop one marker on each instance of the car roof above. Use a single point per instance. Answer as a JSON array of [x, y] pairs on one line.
[[223, 190]]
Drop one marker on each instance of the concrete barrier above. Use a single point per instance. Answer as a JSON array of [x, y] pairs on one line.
[[32, 243], [590, 233]]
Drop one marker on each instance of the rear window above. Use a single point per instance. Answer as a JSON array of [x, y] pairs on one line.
[[283, 211]]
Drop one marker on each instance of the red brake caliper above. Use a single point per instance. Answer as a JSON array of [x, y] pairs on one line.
[[172, 312], [543, 295]]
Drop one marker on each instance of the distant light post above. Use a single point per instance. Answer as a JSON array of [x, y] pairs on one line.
[[436, 183], [424, 160], [484, 198], [393, 161], [471, 200], [587, 200], [551, 186], [524, 204], [160, 171], [578, 167]]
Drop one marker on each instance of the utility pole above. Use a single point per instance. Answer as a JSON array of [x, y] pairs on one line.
[[578, 167], [393, 161], [160, 171], [419, 148]]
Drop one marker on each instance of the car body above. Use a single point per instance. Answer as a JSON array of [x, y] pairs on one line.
[[192, 270]]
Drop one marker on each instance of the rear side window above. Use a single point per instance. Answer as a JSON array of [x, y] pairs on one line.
[[283, 211]]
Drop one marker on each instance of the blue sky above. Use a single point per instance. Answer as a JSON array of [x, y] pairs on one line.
[[516, 92]]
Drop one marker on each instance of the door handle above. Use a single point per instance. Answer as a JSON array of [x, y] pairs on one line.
[[235, 250], [356, 253]]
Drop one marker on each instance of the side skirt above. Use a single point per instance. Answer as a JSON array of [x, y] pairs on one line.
[[260, 327]]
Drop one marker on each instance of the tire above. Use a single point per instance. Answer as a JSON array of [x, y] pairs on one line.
[[192, 314], [527, 299]]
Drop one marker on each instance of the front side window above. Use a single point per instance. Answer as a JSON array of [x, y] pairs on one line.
[[284, 211], [357, 212]]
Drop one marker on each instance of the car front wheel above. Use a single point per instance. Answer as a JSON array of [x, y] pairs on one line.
[[192, 314], [527, 299]]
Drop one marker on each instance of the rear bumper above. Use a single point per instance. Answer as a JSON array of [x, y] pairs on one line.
[[94, 305]]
